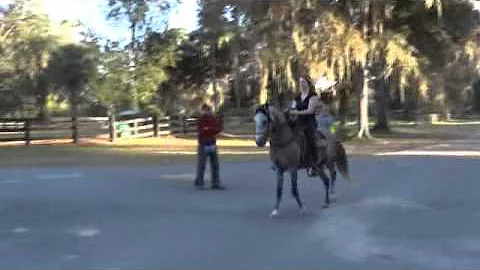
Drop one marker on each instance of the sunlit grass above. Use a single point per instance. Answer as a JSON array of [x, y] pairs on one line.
[[97, 155], [170, 149]]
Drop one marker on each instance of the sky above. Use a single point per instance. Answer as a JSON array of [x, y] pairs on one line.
[[93, 14]]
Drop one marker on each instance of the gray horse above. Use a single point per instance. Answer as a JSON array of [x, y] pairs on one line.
[[287, 155]]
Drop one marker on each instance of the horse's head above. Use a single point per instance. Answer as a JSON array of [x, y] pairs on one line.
[[268, 119]]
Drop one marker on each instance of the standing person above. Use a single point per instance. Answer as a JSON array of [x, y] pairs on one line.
[[208, 128], [304, 106]]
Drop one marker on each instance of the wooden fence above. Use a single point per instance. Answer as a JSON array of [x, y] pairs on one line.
[[152, 127], [27, 129]]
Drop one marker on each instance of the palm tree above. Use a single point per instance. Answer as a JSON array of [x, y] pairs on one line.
[[71, 69]]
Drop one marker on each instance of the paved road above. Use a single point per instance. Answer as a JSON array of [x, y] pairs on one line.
[[408, 212]]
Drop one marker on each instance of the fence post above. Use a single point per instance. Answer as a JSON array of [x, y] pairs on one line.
[[184, 124], [135, 126], [28, 127], [75, 134], [111, 124], [155, 125]]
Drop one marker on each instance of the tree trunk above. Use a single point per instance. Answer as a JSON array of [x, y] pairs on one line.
[[342, 110], [43, 109], [237, 81], [381, 106], [380, 83], [364, 128], [41, 89], [214, 75], [111, 123], [74, 107], [476, 96], [133, 66], [263, 95]]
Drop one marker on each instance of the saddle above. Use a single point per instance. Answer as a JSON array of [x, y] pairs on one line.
[[302, 142], [321, 140]]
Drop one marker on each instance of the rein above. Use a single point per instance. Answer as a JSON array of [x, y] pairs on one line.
[[281, 145]]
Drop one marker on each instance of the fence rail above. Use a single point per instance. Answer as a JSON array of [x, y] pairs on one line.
[[28, 129], [21, 129]]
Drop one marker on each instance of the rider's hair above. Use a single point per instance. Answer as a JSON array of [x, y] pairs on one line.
[[309, 81]]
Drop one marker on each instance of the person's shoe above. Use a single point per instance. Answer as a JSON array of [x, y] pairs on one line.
[[199, 186], [218, 187]]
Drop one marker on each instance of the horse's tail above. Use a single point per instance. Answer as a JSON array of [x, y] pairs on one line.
[[342, 162]]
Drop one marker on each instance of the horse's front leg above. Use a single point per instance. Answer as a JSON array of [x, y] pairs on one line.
[[295, 193], [276, 210]]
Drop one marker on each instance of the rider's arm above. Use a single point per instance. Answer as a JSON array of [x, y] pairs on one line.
[[312, 105]]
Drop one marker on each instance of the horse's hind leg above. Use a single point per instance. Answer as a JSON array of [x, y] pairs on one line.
[[326, 184], [295, 193], [333, 179], [276, 211]]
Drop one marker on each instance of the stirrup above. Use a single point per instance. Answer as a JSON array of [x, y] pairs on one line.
[[311, 172]]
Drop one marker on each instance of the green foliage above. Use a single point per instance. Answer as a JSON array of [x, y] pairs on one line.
[[27, 41], [57, 105], [110, 86], [72, 68]]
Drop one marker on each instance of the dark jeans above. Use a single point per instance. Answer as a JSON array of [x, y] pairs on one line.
[[202, 155], [311, 147]]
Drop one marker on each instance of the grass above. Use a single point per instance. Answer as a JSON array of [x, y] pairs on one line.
[[98, 155], [166, 150]]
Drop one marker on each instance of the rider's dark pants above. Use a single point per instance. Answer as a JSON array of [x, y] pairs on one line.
[[311, 149]]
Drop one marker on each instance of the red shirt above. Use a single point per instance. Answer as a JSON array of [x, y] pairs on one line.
[[208, 128]]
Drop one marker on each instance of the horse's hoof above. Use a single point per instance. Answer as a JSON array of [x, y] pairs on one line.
[[333, 197], [353, 183], [274, 213], [303, 211], [325, 206]]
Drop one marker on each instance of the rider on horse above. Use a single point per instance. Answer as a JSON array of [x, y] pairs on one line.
[[304, 106]]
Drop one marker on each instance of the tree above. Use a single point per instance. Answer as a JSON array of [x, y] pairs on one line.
[[160, 53], [190, 78], [27, 39], [392, 49], [71, 69], [110, 88], [136, 13]]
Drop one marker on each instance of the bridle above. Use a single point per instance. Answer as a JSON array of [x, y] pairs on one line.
[[264, 110]]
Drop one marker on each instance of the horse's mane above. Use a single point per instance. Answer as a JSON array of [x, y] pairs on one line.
[[276, 115]]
